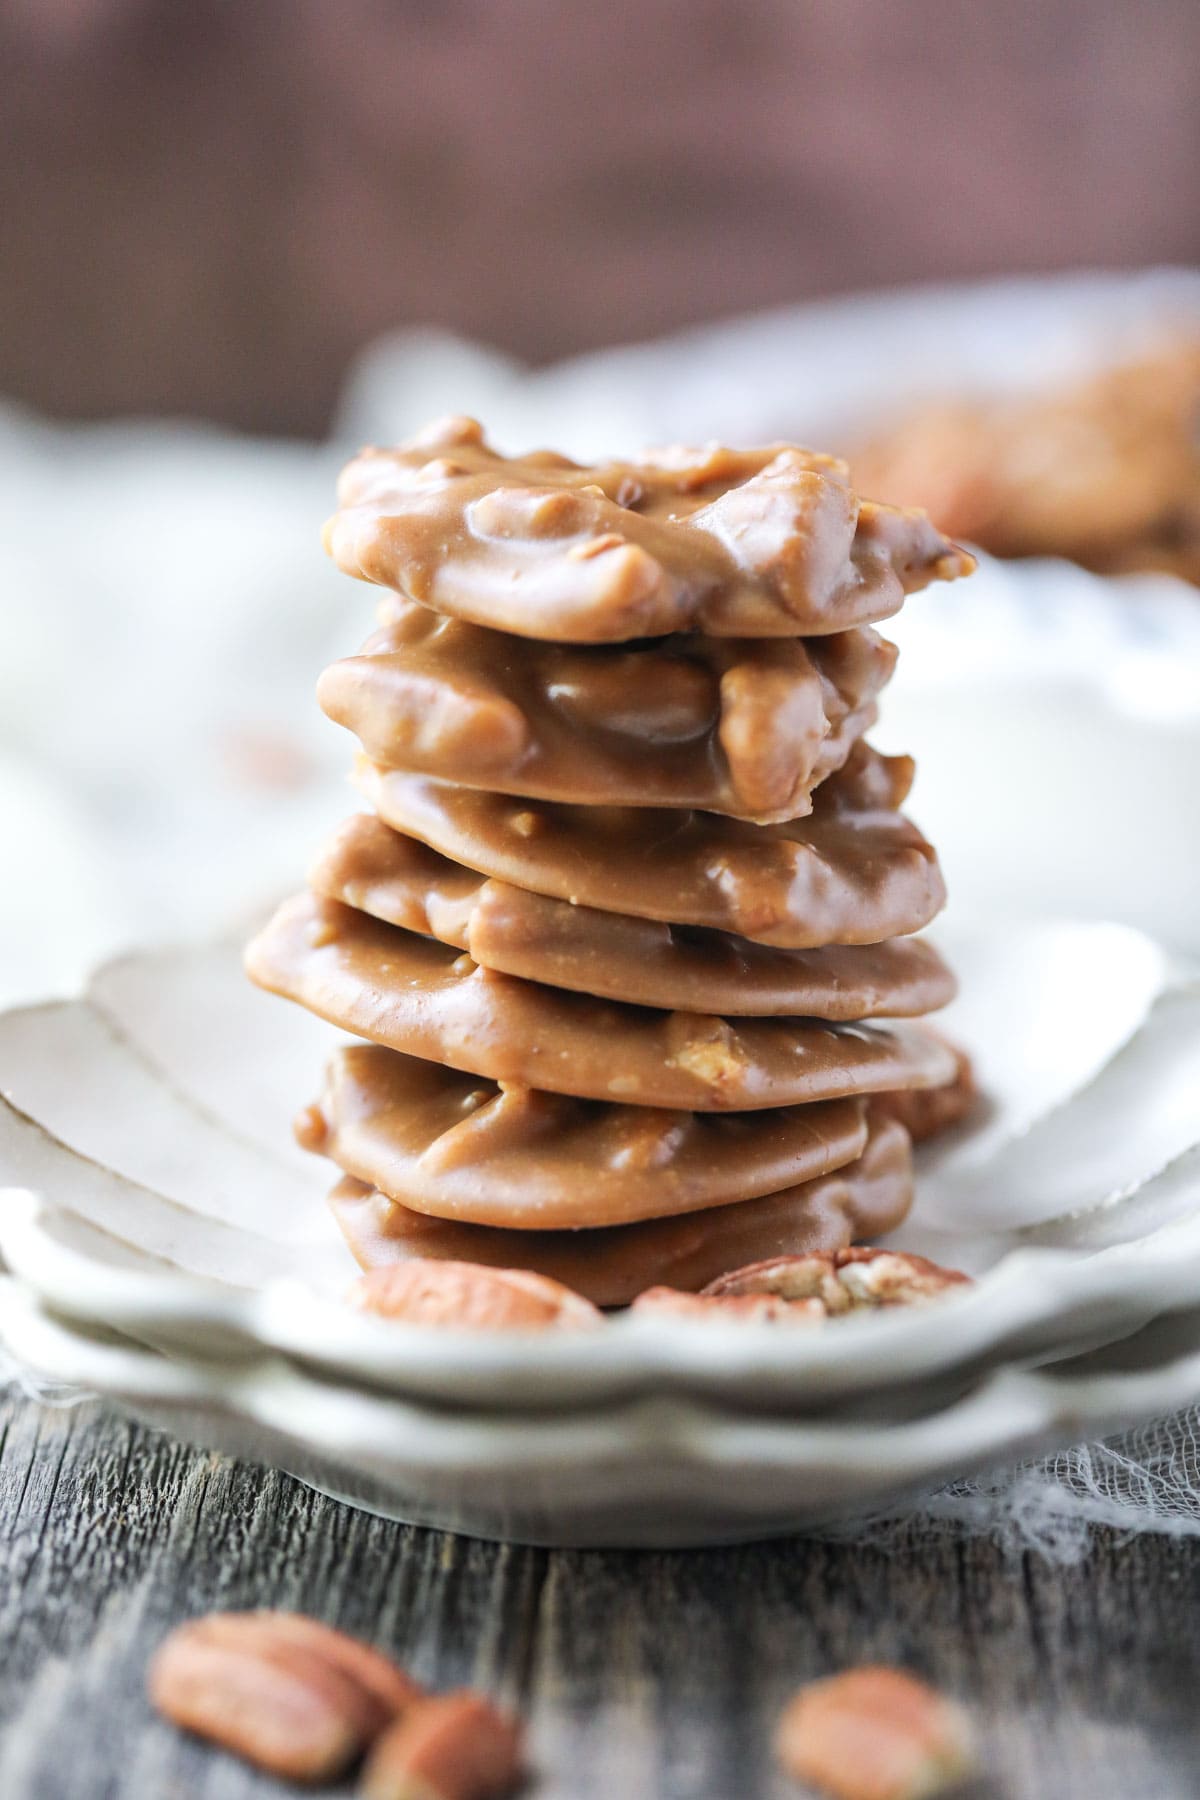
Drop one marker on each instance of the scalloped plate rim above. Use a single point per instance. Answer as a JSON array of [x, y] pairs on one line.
[[652, 1455], [1027, 1289]]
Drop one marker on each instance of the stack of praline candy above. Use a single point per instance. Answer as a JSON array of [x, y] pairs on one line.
[[633, 880]]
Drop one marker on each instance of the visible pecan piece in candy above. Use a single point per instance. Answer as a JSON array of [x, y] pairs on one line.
[[285, 1692], [875, 1734], [471, 1297], [455, 1747], [412, 994], [491, 1153], [853, 871], [744, 726]]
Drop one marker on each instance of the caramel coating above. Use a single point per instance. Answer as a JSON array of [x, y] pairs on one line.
[[635, 886], [938, 1108], [464, 1148], [418, 996], [403, 882], [746, 727], [611, 1265], [764, 543], [855, 872]]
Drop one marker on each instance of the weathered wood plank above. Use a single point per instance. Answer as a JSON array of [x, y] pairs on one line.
[[647, 1676]]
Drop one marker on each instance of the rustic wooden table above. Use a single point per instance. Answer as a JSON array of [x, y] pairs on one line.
[[645, 1676]]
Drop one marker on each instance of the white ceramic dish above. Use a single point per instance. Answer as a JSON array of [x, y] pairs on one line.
[[661, 1472], [148, 1124]]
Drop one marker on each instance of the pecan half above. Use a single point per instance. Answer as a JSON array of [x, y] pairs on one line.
[[285, 1692], [455, 1747], [470, 1297], [806, 1290], [670, 1302], [875, 1734], [843, 1280]]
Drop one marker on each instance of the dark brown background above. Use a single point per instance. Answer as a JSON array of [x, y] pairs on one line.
[[207, 207]]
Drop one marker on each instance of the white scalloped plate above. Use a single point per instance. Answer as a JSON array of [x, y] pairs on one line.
[[150, 1122], [649, 1472]]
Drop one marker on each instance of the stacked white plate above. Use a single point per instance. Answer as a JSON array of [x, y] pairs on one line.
[[168, 1247]]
